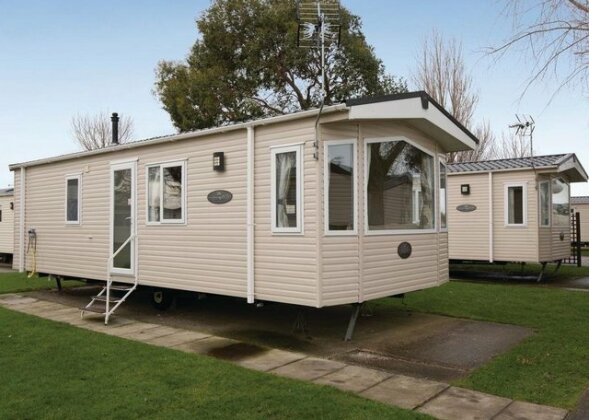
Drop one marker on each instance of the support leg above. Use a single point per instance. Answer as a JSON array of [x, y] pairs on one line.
[[542, 272], [353, 319], [557, 267], [58, 281], [300, 324]]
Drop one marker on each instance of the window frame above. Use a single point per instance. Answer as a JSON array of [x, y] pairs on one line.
[[276, 150], [442, 162], [326, 173], [162, 166], [367, 230], [77, 176], [524, 186], [568, 184], [549, 182]]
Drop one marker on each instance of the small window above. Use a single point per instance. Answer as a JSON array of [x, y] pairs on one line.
[[544, 188], [286, 189], [166, 193], [516, 208], [340, 187], [560, 203], [0, 215], [400, 186], [443, 197], [72, 201]]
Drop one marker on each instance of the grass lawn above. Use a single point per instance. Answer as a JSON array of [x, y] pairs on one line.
[[18, 282], [56, 371], [551, 367]]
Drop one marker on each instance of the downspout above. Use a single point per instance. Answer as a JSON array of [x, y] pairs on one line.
[[21, 261], [250, 214], [491, 225]]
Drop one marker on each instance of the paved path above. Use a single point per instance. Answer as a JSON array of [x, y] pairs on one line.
[[434, 398]]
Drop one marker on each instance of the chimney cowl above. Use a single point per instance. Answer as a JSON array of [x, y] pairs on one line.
[[115, 128]]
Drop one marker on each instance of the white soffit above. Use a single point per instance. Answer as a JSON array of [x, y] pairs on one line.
[[431, 120]]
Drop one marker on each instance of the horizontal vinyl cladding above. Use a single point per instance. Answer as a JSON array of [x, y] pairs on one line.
[[583, 210], [6, 225], [285, 267], [468, 232], [515, 243], [16, 227], [368, 266], [205, 254]]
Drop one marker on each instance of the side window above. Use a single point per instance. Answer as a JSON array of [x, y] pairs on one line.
[[166, 193], [286, 189], [0, 215], [72, 199], [443, 197], [544, 191], [516, 205], [340, 186]]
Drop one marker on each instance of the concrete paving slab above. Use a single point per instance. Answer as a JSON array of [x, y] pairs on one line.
[[131, 328], [309, 369], [145, 335], [177, 338], [97, 324], [38, 308], [354, 378], [271, 359], [205, 345], [15, 299], [459, 403], [404, 391], [520, 410]]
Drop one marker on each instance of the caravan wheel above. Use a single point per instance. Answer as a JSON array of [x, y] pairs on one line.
[[162, 299]]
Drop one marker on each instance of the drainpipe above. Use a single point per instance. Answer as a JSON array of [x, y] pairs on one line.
[[491, 226], [250, 214], [21, 261]]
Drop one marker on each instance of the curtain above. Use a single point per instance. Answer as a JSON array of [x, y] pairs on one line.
[[154, 194], [285, 162]]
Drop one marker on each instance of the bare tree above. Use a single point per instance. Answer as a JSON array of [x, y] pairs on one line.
[[513, 145], [553, 35], [441, 72], [95, 131]]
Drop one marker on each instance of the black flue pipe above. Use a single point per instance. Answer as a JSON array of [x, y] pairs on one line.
[[115, 128]]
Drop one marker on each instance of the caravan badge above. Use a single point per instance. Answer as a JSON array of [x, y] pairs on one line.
[[466, 208], [219, 197]]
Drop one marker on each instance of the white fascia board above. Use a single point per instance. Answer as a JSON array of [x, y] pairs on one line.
[[411, 109], [574, 169]]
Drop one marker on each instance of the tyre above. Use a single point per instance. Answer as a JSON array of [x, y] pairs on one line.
[[162, 299]]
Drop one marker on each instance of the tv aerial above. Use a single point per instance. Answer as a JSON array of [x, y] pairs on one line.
[[319, 26], [524, 127]]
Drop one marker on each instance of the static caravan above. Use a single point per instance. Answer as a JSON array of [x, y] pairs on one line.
[[512, 210], [581, 205], [6, 223], [312, 208]]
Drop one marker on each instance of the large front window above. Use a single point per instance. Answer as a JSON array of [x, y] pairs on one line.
[[165, 193], [560, 202], [400, 187], [340, 176], [286, 189]]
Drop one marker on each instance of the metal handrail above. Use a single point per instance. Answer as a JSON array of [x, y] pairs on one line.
[[109, 278]]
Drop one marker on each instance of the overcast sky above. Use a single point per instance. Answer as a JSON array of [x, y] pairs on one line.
[[60, 58]]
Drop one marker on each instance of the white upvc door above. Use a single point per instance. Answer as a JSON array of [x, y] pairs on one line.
[[123, 216]]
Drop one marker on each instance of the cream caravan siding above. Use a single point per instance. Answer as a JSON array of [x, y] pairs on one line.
[[383, 272], [469, 231], [340, 255], [285, 263], [368, 266], [515, 243], [16, 224], [443, 261], [207, 254], [6, 225], [583, 210]]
